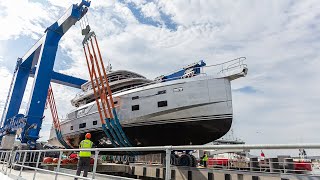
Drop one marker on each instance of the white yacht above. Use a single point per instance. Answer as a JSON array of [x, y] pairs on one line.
[[190, 106]]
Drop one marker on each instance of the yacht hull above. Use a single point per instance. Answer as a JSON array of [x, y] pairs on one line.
[[197, 111]]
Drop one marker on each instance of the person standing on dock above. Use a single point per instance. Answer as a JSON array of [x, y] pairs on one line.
[[84, 161], [205, 159], [262, 156]]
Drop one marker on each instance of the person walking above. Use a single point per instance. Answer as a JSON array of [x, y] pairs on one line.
[[84, 161], [205, 159]]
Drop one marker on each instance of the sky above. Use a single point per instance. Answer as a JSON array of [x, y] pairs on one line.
[[278, 101]]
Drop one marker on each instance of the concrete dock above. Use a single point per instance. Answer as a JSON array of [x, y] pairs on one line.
[[181, 173]]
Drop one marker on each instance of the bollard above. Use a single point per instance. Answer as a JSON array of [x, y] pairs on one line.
[[289, 166], [274, 165], [254, 164]]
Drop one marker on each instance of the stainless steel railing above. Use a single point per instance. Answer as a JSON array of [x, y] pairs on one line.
[[31, 159]]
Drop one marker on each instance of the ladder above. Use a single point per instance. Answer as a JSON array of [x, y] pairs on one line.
[[55, 118], [102, 92]]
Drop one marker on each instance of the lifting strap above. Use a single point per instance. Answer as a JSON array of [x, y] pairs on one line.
[[102, 92], [55, 117]]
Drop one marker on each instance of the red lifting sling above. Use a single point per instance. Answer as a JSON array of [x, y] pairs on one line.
[[55, 117], [102, 92]]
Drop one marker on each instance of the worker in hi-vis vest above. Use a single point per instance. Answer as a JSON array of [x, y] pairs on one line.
[[84, 156], [205, 159]]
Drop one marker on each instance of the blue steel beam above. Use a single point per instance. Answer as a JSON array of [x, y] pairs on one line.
[[63, 79], [17, 92], [67, 80], [178, 74], [42, 77]]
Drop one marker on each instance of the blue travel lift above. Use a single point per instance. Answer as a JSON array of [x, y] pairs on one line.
[[38, 62]]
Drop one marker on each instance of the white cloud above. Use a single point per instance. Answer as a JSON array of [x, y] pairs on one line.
[[151, 10], [23, 18], [5, 79], [137, 2], [279, 39]]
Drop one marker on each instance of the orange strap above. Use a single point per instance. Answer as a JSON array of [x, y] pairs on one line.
[[99, 79]]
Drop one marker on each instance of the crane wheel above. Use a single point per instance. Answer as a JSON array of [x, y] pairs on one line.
[[185, 160], [194, 161]]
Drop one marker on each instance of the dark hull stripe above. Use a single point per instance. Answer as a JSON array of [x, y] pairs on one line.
[[163, 122], [188, 119]]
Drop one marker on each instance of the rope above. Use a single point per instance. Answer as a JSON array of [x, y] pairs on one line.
[[55, 118], [86, 18], [92, 73]]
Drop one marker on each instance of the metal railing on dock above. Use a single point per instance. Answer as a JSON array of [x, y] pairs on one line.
[[32, 160]]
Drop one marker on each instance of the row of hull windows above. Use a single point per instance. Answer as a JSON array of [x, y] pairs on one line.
[[83, 125], [160, 104], [133, 108]]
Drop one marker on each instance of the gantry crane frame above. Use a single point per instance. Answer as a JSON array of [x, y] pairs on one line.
[[38, 62]]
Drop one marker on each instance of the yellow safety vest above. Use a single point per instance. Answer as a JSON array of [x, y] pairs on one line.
[[205, 158], [83, 145]]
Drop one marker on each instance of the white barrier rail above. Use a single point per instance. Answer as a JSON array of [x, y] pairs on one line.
[[31, 159]]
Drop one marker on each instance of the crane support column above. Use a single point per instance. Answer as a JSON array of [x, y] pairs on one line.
[[41, 82], [19, 87]]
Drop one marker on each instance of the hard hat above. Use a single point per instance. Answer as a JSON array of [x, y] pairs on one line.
[[88, 136]]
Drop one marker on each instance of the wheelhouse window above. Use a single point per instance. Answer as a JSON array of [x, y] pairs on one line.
[[94, 122], [135, 107], [82, 125], [162, 103]]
